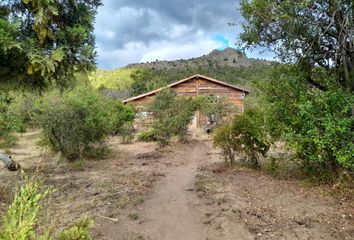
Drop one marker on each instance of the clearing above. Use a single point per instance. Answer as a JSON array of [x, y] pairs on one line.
[[184, 192]]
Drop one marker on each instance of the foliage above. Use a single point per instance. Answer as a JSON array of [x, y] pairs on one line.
[[6, 121], [127, 132], [77, 231], [120, 116], [318, 125], [147, 136], [172, 116], [145, 80], [22, 106], [218, 106], [117, 79], [311, 99], [77, 120], [310, 33], [20, 219], [244, 135], [53, 42], [10, 121]]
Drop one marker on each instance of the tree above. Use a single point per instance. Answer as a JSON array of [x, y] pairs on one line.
[[244, 135], [310, 33], [316, 124], [172, 116], [310, 98], [45, 42], [76, 122]]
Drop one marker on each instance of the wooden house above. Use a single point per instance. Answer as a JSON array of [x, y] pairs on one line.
[[193, 86]]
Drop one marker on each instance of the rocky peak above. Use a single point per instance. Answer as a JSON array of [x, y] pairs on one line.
[[230, 57]]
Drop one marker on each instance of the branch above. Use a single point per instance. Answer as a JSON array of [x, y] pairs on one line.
[[316, 84]]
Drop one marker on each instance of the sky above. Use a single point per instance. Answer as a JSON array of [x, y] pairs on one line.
[[133, 31]]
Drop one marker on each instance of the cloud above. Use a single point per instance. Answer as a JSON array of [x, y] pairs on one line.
[[135, 52], [129, 31], [172, 50]]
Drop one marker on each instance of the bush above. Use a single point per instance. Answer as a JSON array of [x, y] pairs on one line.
[[147, 136], [77, 231], [172, 116], [16, 114], [120, 117], [9, 122], [218, 106], [316, 124], [127, 133], [77, 120], [23, 107], [322, 132], [21, 219], [244, 135]]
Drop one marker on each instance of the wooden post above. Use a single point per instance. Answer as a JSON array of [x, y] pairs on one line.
[[242, 102]]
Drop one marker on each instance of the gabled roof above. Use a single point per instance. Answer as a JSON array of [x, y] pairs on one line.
[[184, 80]]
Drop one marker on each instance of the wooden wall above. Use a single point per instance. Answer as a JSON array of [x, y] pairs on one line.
[[196, 87]]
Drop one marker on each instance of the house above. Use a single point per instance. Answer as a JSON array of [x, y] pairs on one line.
[[193, 86]]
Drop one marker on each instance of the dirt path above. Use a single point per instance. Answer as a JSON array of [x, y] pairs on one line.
[[174, 211]]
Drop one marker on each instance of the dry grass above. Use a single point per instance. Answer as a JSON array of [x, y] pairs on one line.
[[103, 188], [271, 208]]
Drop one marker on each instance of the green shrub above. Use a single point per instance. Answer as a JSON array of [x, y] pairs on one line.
[[20, 219], [322, 132], [147, 136], [23, 106], [9, 121], [127, 133], [77, 231], [77, 121], [317, 125], [16, 114], [218, 106], [244, 135], [172, 116], [120, 117], [272, 165]]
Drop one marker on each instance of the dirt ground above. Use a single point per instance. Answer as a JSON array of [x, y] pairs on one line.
[[184, 192]]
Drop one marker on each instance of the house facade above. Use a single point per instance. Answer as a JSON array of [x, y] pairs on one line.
[[196, 85]]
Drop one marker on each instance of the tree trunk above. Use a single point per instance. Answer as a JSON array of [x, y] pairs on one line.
[[9, 163]]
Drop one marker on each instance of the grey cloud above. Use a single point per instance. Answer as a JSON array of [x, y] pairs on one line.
[[149, 22], [203, 13], [146, 21]]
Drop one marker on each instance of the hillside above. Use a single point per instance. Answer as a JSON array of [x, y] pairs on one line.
[[227, 65], [229, 57]]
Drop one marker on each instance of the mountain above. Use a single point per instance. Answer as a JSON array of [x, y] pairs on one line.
[[229, 57], [228, 65]]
